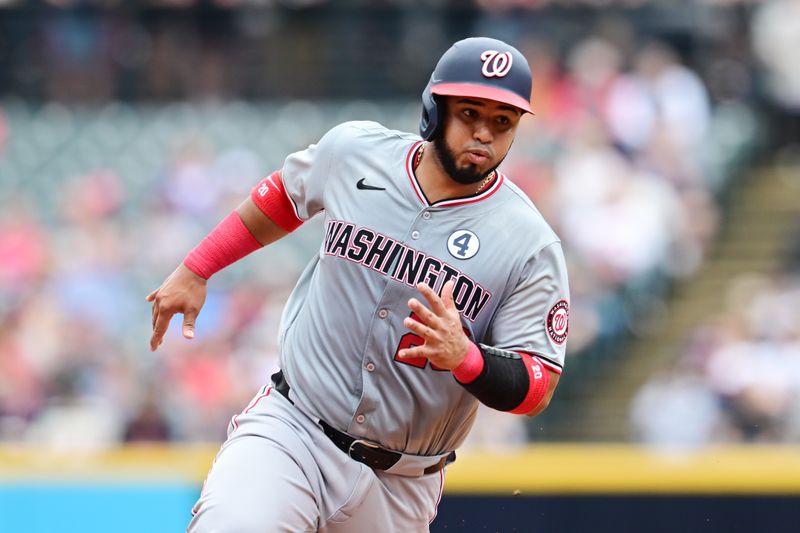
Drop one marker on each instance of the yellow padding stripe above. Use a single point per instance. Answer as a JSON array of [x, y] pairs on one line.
[[537, 469], [581, 469], [124, 464]]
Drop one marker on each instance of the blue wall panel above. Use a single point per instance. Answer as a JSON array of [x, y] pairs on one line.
[[95, 508]]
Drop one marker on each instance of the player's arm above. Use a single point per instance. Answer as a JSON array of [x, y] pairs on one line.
[[259, 224], [532, 325], [276, 206], [514, 382], [266, 216]]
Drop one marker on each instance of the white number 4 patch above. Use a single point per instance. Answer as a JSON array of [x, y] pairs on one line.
[[463, 244]]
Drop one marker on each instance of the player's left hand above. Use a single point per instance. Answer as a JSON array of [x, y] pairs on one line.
[[439, 325]]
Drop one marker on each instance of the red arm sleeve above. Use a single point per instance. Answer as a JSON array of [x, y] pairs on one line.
[[271, 198]]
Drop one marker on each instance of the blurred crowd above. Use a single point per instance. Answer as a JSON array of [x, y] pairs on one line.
[[219, 50], [628, 157], [80, 253], [738, 375], [737, 378]]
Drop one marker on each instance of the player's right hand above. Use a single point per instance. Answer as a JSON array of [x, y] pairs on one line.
[[182, 292]]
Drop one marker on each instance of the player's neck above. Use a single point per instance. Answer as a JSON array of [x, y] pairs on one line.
[[436, 183]]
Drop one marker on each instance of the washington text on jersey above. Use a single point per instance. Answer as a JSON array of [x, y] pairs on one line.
[[404, 264]]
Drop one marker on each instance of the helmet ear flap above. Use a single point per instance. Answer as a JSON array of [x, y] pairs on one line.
[[429, 120]]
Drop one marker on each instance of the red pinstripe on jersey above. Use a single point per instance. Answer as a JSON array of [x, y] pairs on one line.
[[411, 176], [492, 188], [252, 405], [439, 499]]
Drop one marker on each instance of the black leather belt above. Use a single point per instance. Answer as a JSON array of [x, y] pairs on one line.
[[361, 450]]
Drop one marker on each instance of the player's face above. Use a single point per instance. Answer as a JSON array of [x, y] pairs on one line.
[[476, 137]]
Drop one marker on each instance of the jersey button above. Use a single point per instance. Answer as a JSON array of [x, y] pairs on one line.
[[415, 235], [360, 419], [383, 313], [426, 215], [370, 367]]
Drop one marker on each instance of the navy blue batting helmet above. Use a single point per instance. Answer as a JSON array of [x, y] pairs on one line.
[[480, 67]]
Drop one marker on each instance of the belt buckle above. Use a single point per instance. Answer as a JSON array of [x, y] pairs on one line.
[[362, 442]]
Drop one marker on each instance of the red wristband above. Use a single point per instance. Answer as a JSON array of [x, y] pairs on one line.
[[471, 367], [226, 244]]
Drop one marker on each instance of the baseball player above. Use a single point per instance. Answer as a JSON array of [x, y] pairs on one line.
[[437, 285]]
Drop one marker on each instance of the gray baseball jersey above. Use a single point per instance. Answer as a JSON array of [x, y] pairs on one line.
[[343, 324]]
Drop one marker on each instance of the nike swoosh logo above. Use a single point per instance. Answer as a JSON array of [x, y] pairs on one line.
[[364, 187]]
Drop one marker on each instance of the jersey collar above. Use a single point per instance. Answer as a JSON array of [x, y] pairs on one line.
[[492, 188]]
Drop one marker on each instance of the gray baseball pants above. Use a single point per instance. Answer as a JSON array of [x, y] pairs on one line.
[[278, 472]]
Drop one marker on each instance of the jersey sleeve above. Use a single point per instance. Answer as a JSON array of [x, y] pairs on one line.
[[305, 174], [535, 317]]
